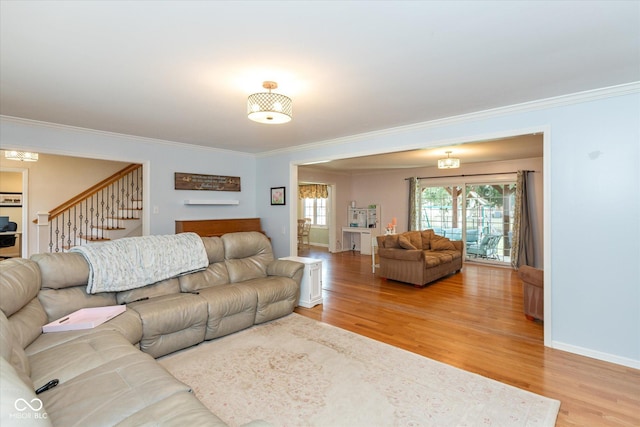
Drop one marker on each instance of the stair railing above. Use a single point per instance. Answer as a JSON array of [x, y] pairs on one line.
[[87, 216]]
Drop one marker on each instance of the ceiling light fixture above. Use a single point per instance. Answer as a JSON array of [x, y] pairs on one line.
[[449, 162], [268, 107], [22, 156]]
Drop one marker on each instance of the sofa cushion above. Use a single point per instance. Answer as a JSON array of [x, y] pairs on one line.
[[27, 323], [171, 322], [215, 249], [415, 237], [215, 274], [247, 255], [110, 393], [163, 287], [405, 243], [127, 324], [427, 235], [431, 261], [77, 356], [247, 244], [13, 352], [20, 282], [244, 269], [60, 302], [439, 243], [231, 308], [277, 297], [62, 270], [442, 256]]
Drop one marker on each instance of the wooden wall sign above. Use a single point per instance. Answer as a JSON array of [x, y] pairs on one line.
[[194, 181]]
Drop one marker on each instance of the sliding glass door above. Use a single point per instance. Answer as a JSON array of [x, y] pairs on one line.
[[442, 210], [480, 214], [489, 221]]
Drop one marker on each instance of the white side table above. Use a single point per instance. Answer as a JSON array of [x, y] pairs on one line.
[[311, 285]]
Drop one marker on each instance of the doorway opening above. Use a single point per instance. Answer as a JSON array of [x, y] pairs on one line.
[[315, 203]]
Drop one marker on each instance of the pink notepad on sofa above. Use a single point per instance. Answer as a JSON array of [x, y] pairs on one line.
[[85, 318]]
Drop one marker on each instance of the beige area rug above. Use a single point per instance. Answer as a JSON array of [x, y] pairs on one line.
[[295, 371]]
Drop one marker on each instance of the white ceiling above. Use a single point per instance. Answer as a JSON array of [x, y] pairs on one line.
[[181, 70], [513, 148]]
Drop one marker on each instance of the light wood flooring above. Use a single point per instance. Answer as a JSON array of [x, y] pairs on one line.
[[474, 320]]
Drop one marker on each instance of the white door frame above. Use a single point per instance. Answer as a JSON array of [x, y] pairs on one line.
[[24, 237]]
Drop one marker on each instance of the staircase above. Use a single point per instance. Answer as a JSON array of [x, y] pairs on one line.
[[126, 222], [109, 210]]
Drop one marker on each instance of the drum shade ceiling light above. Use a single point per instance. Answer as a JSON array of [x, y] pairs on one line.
[[269, 107], [449, 162], [22, 156]]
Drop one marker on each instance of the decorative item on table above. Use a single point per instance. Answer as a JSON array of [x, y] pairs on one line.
[[391, 227]]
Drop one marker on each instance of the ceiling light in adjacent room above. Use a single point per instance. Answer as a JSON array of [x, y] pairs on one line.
[[22, 156], [449, 162], [269, 107]]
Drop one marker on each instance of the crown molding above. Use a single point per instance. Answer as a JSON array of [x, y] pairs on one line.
[[557, 101]]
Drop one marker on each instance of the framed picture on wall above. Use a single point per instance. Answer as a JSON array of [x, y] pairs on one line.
[[10, 200], [278, 196]]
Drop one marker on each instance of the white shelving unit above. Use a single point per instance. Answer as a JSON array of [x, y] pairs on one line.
[[363, 226], [363, 217]]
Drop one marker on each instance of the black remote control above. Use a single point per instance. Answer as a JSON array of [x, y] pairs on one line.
[[51, 384]]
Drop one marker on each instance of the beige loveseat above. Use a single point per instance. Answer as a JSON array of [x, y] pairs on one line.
[[107, 375], [418, 257]]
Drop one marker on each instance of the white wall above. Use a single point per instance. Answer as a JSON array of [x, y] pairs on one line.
[[161, 160], [592, 172]]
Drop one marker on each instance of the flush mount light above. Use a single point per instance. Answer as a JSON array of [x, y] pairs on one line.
[[269, 107], [22, 156], [449, 162]]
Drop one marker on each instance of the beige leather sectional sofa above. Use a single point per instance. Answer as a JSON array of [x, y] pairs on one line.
[[107, 375], [418, 257]]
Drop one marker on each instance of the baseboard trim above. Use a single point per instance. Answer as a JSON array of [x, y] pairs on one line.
[[321, 245], [594, 354]]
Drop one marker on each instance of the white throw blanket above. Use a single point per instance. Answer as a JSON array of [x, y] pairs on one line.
[[134, 262]]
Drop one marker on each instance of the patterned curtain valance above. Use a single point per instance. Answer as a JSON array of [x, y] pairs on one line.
[[313, 191]]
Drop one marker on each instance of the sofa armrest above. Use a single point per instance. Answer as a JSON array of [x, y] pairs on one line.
[[458, 244], [531, 276], [402, 254], [283, 267]]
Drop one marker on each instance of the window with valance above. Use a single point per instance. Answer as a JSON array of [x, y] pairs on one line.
[[314, 202], [313, 191]]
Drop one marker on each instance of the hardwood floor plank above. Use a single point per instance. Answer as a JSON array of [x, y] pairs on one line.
[[475, 321]]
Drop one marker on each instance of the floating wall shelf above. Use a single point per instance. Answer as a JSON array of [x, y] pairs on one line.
[[211, 202]]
